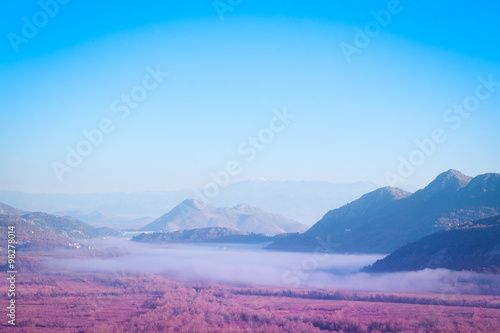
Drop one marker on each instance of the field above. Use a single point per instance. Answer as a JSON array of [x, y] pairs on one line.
[[65, 301]]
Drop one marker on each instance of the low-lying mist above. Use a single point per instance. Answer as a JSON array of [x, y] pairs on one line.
[[250, 265]]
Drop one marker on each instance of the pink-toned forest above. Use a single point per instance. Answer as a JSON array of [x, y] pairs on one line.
[[65, 301]]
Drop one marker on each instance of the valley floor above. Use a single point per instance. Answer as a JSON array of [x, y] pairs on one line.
[[50, 301]]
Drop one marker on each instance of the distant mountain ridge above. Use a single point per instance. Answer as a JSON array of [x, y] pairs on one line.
[[59, 225], [474, 247], [204, 235], [194, 214], [98, 219], [302, 201], [387, 218]]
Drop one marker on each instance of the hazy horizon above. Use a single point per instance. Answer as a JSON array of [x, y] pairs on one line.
[[187, 189], [409, 187]]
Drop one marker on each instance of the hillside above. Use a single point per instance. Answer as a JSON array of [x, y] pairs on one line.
[[193, 214], [388, 218], [9, 210], [203, 235], [31, 237], [473, 247], [60, 225]]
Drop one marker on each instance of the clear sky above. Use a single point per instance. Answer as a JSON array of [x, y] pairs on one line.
[[360, 100]]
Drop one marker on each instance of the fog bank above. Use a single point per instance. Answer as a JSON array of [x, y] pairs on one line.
[[248, 264]]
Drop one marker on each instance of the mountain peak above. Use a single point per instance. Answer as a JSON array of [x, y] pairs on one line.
[[484, 187], [453, 173], [394, 192], [451, 180], [246, 208], [486, 179], [379, 223], [193, 203], [193, 214], [384, 193]]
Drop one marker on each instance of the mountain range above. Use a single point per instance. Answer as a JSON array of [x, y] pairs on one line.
[[37, 229], [302, 201], [29, 236], [98, 219], [473, 247], [388, 218], [194, 214], [380, 221]]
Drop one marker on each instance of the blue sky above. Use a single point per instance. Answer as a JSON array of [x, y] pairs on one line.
[[353, 120]]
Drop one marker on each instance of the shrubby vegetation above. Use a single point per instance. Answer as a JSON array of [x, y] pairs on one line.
[[95, 302]]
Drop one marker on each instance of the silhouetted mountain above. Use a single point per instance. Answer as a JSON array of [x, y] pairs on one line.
[[193, 214], [388, 218], [9, 210], [473, 247], [204, 235]]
